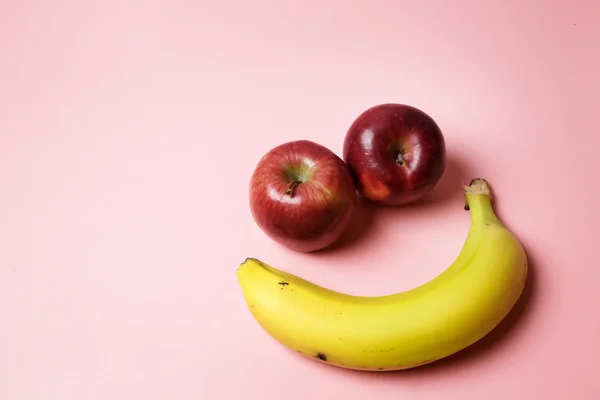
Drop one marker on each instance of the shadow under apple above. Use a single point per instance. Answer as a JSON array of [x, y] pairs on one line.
[[450, 184], [360, 224], [449, 187]]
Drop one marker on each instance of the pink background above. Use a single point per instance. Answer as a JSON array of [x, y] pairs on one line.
[[128, 133]]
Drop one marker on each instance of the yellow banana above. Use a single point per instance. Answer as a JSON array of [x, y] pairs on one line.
[[403, 330]]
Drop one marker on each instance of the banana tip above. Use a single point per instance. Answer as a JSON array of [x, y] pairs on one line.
[[243, 263], [248, 261]]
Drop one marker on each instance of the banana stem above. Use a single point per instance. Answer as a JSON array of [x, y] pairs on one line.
[[479, 201]]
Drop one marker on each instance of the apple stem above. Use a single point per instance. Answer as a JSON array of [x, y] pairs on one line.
[[399, 159], [291, 187]]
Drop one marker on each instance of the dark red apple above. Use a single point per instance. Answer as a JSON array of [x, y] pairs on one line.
[[302, 195], [396, 154]]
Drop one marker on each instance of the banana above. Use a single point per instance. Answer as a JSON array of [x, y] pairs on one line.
[[403, 330]]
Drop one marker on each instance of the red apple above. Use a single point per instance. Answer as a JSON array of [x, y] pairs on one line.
[[396, 154], [302, 195]]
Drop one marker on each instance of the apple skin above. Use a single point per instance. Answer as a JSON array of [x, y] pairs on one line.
[[396, 154], [302, 195]]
